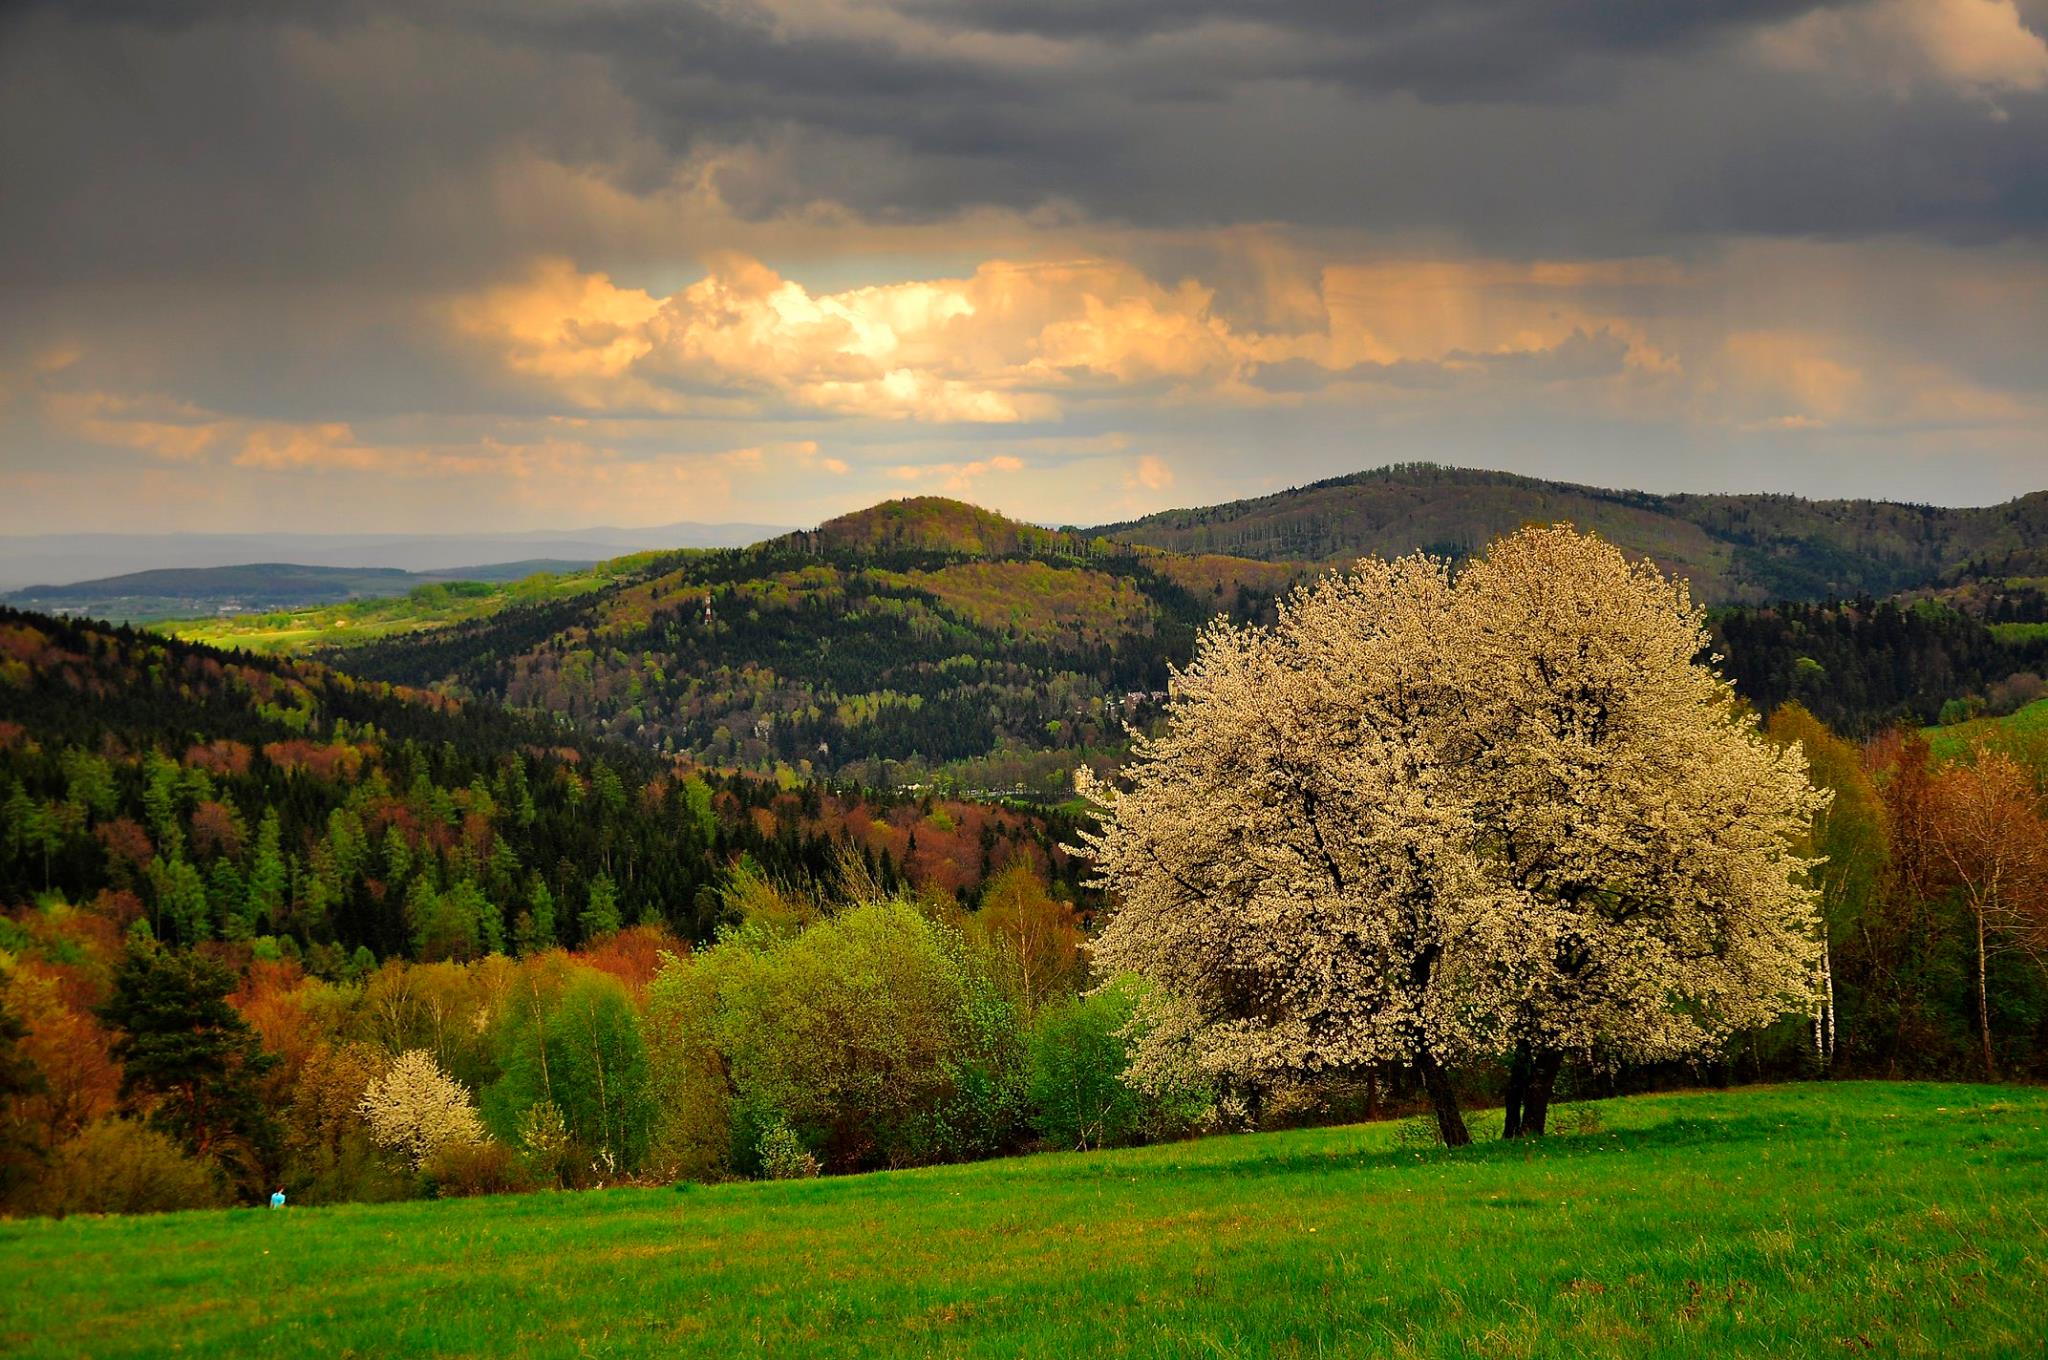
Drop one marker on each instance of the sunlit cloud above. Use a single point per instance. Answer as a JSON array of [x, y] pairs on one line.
[[1149, 473], [1027, 341], [1981, 48], [953, 479], [163, 428]]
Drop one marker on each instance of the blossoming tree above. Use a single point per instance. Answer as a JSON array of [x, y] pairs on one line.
[[415, 1109], [1428, 818]]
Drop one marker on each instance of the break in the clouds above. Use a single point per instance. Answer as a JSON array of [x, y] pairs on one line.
[[372, 265]]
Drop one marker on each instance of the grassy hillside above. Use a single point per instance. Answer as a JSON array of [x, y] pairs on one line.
[[192, 592], [2025, 733], [1734, 548], [1899, 1220], [422, 607]]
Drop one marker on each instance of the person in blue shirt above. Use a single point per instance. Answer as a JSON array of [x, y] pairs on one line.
[[277, 1198]]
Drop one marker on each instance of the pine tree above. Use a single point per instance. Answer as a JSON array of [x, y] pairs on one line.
[[181, 903], [187, 1056], [538, 932], [601, 916], [267, 876]]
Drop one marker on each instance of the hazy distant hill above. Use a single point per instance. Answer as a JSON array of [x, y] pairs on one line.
[[28, 558], [1734, 548], [191, 592]]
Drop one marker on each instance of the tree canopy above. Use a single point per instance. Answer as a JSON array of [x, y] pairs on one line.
[[1425, 818]]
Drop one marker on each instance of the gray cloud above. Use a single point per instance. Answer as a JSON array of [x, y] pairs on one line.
[[263, 207], [264, 140]]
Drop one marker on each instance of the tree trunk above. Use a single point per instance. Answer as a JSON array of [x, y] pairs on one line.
[[1517, 1092], [1984, 1005], [1542, 1081], [1449, 1123]]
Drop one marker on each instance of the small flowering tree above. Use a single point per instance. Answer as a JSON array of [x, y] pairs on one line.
[[1427, 819], [415, 1109]]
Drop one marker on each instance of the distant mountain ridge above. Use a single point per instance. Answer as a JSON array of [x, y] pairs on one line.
[[26, 559], [188, 592], [1734, 548]]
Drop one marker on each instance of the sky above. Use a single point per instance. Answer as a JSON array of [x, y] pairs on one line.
[[454, 266]]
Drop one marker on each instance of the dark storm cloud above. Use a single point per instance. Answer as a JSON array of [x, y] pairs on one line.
[[273, 137], [1617, 23], [1436, 49], [274, 182]]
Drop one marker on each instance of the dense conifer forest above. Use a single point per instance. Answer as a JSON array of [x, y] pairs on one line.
[[219, 797]]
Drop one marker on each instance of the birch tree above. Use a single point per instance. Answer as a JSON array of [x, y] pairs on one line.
[[1989, 834], [1428, 819]]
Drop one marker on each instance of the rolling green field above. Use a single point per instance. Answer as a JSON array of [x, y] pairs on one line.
[[289, 631], [2026, 728], [1804, 1220]]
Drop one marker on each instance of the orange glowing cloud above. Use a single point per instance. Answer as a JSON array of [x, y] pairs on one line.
[[1018, 342], [171, 430], [955, 479]]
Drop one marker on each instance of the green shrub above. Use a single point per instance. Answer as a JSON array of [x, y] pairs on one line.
[[874, 1035], [584, 1054], [783, 1156], [1079, 1098], [545, 1144], [459, 1170], [1079, 1094], [117, 1166], [692, 1132]]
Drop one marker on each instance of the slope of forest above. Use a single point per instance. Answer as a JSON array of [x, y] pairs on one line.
[[927, 642], [1734, 548], [915, 638], [220, 796]]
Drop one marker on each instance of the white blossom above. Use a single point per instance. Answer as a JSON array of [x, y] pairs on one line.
[[415, 1109], [1427, 817]]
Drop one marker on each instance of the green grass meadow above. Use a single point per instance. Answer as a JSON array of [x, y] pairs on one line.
[[2020, 733], [281, 632], [1850, 1219]]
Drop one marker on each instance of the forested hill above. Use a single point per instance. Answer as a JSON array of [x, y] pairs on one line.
[[1747, 549], [915, 638], [219, 796], [928, 641]]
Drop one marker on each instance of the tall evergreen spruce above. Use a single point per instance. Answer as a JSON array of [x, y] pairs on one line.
[[191, 1061]]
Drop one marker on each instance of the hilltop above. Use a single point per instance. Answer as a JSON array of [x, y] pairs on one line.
[[931, 524], [914, 639], [927, 640], [1734, 548]]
